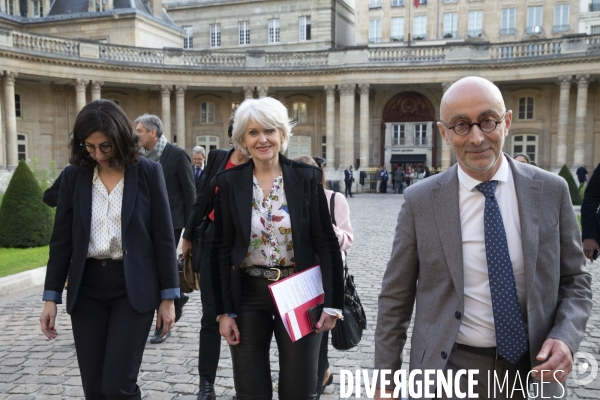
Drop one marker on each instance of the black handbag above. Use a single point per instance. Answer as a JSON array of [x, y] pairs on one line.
[[347, 333]]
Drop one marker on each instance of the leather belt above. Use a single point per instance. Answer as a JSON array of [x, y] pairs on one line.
[[480, 351], [270, 273]]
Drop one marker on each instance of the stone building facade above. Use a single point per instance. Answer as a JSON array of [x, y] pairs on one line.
[[363, 78]]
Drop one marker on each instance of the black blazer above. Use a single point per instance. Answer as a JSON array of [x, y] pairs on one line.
[[215, 163], [51, 194], [198, 182], [148, 243], [180, 183], [313, 237], [590, 219]]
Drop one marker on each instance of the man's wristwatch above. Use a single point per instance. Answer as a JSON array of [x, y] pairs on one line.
[[230, 315]]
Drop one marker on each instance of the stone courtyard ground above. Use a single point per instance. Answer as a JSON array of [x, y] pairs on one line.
[[32, 367]]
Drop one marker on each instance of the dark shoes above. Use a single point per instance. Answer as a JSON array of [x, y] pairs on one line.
[[207, 390], [179, 303], [327, 383], [156, 339]]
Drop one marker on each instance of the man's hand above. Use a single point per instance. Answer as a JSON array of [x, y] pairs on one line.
[[589, 245], [165, 317], [186, 247], [557, 361], [48, 320], [229, 330]]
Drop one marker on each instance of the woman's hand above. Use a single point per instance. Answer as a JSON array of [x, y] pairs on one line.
[[326, 322], [165, 317], [186, 247], [229, 330], [48, 320]]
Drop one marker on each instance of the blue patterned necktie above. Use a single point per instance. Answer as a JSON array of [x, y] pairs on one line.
[[511, 338]]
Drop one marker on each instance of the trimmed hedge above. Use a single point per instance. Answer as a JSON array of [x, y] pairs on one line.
[[25, 221], [573, 188]]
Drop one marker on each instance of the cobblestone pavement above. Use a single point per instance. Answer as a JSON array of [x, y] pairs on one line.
[[33, 368]]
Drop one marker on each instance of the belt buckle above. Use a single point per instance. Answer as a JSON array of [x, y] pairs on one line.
[[278, 274]]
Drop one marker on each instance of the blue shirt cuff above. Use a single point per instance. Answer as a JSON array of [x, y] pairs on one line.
[[53, 296], [169, 294]]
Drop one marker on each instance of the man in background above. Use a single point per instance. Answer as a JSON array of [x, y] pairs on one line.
[[348, 180], [180, 185], [198, 158]]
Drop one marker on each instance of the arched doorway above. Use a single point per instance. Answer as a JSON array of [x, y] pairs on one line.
[[408, 132]]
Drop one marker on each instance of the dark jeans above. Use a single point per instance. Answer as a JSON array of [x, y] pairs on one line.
[[177, 234], [257, 321], [109, 334], [348, 191], [323, 360], [210, 339], [384, 186]]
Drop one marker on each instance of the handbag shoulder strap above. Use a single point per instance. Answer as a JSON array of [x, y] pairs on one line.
[[332, 208]]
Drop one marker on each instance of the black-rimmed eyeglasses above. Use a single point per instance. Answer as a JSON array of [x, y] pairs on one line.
[[104, 148], [487, 125]]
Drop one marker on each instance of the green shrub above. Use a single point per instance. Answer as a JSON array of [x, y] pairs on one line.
[[573, 188], [25, 221]]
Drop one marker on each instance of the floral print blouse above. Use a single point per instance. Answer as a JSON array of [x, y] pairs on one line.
[[271, 228]]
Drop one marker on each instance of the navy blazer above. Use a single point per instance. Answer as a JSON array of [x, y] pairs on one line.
[[179, 178], [148, 244], [313, 238]]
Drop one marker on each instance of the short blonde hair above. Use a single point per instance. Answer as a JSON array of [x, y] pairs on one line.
[[267, 113]]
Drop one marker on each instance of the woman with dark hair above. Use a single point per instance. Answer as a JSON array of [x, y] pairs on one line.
[[271, 221], [113, 237]]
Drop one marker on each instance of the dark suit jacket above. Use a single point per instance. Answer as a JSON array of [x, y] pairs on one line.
[[590, 219], [198, 182], [148, 244], [313, 237], [180, 183], [215, 163], [51, 194], [348, 175]]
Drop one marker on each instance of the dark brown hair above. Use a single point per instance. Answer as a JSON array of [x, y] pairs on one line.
[[106, 117]]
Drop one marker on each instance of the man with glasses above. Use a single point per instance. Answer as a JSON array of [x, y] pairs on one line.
[[179, 178], [490, 251]]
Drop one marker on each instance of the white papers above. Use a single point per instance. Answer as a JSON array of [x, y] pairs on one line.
[[296, 290]]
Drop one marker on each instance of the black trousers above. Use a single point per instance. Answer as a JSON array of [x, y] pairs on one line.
[[384, 186], [257, 321], [348, 191], [323, 359], [210, 339], [109, 334]]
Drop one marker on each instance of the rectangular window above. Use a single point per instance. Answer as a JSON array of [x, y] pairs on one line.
[[397, 30], [188, 40], [375, 3], [215, 35], [526, 108], [99, 5], [303, 29], [420, 134], [273, 30], [18, 109], [507, 21], [595, 30], [450, 1], [22, 146], [398, 135], [475, 27], [561, 18], [450, 25], [595, 5], [420, 27], [9, 7], [375, 31], [244, 32], [534, 20], [324, 147], [397, 3], [38, 9], [207, 113]]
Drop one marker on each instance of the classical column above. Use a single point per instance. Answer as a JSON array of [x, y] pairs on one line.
[[583, 82], [446, 150], [364, 125], [165, 95], [330, 125], [347, 94], [563, 120], [248, 92], [97, 90], [180, 104], [12, 155], [80, 86], [263, 91]]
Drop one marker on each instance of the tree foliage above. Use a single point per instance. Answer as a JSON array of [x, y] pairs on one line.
[[573, 188], [25, 221]]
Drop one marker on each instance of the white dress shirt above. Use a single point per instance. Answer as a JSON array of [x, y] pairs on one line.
[[106, 239], [477, 328]]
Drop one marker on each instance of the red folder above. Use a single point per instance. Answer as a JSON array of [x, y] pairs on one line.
[[297, 319]]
